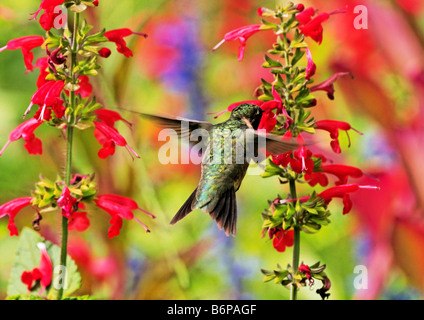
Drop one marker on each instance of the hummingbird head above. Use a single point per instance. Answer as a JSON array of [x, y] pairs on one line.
[[248, 111]]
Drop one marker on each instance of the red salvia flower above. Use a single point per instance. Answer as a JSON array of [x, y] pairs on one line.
[[282, 238], [343, 191], [117, 36], [43, 64], [109, 137], [43, 273], [85, 88], [241, 34], [11, 209], [48, 96], [78, 220], [312, 27], [105, 52], [26, 131], [119, 208], [26, 44], [333, 127], [48, 17], [268, 115], [303, 268], [310, 67], [328, 85], [67, 202]]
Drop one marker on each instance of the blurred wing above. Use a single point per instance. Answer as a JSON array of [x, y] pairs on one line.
[[275, 144], [183, 127]]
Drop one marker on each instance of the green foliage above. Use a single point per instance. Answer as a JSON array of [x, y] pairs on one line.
[[28, 257]]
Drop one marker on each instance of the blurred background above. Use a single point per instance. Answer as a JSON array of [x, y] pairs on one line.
[[174, 71]]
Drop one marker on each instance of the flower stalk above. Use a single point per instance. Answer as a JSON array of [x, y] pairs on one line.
[[296, 244], [69, 144]]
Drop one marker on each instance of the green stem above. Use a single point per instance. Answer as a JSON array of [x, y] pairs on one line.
[[296, 243], [68, 165]]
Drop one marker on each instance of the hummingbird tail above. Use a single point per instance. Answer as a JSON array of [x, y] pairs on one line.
[[185, 209], [225, 212]]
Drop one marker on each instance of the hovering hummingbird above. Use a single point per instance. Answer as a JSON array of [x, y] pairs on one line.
[[215, 192]]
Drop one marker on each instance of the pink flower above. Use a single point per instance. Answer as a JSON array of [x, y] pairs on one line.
[[241, 34], [342, 172], [117, 36], [11, 209], [26, 131], [328, 85], [311, 67], [26, 44], [43, 273], [48, 96], [333, 127], [48, 17], [119, 208]]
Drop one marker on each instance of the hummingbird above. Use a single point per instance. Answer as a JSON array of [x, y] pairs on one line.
[[216, 191]]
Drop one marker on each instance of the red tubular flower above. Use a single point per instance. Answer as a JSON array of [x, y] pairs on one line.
[[78, 220], [11, 209], [268, 121], [110, 117], [328, 85], [282, 238], [277, 103], [26, 44], [342, 191], [117, 36], [303, 268], [48, 96], [315, 178], [333, 127], [48, 17], [119, 208], [42, 63], [311, 67], [86, 88], [342, 172], [26, 131], [67, 202], [302, 161], [44, 272], [104, 52], [312, 27], [241, 34], [109, 137]]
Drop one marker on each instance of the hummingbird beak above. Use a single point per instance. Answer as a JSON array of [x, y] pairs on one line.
[[249, 125]]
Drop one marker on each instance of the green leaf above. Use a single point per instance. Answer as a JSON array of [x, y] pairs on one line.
[[28, 257]]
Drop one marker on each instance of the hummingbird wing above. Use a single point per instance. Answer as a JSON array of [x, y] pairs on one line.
[[182, 126], [274, 144]]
